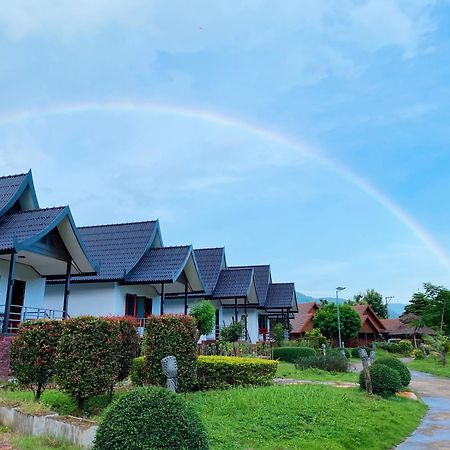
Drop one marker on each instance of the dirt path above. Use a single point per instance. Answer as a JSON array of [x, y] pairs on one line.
[[434, 431]]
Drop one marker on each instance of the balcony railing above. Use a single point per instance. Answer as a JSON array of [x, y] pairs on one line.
[[19, 314]]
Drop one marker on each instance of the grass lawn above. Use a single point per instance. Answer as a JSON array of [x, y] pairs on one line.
[[433, 366], [304, 416], [270, 418], [288, 370]]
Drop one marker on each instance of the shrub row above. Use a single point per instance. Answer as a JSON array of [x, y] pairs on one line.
[[403, 347], [332, 362], [292, 354], [215, 372], [86, 355]]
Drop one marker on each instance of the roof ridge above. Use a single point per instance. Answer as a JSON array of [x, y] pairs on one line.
[[171, 246], [13, 176], [235, 269], [290, 282], [250, 266], [117, 224], [210, 248], [38, 209]]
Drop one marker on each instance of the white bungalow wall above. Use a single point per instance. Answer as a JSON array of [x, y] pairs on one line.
[[252, 320], [97, 299], [34, 288]]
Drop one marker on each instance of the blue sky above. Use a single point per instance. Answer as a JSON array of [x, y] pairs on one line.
[[249, 124]]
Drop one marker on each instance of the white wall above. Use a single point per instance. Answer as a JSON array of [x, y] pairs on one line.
[[34, 288], [252, 320]]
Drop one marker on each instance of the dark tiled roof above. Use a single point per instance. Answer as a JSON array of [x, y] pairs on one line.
[[116, 248], [209, 262], [9, 186], [234, 283], [19, 227], [280, 295], [262, 280], [160, 265]]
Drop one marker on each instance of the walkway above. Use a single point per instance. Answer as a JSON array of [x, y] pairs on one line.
[[434, 431]]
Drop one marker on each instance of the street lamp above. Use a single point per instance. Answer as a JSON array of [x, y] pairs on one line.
[[338, 289]]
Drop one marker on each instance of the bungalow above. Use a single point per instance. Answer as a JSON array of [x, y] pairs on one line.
[[407, 327], [135, 273], [35, 243], [120, 269]]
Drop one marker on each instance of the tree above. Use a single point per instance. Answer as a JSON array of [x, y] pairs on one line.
[[204, 313], [375, 300], [432, 306], [326, 321]]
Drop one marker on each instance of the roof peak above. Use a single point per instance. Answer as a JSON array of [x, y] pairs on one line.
[[118, 224], [14, 175]]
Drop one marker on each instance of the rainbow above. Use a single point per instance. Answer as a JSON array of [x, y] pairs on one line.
[[125, 106]]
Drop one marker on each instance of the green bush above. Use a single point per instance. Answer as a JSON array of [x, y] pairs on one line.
[[355, 351], [151, 418], [385, 381], [399, 366], [417, 353], [171, 335], [405, 347], [315, 338], [278, 334], [215, 372], [205, 315], [137, 373], [232, 332], [291, 354], [347, 352], [332, 362], [87, 362], [129, 345], [33, 353]]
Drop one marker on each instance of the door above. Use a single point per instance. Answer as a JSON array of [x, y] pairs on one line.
[[17, 301]]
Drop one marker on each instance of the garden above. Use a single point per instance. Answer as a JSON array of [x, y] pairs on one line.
[[88, 367]]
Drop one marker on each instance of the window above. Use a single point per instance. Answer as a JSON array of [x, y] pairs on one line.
[[138, 306]]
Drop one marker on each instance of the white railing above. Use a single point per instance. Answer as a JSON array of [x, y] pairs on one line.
[[19, 314]]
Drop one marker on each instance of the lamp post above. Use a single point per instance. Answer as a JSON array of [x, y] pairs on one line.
[[338, 289]]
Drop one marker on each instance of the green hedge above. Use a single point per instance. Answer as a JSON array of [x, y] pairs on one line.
[[399, 366], [151, 418], [88, 357], [137, 373], [33, 353], [175, 335], [215, 372], [292, 354]]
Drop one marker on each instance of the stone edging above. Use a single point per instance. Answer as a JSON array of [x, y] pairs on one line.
[[50, 425]]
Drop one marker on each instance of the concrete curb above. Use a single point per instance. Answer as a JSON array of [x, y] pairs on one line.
[[53, 425]]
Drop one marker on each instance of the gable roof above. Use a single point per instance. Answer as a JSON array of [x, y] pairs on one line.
[[117, 247], [300, 321], [262, 280], [366, 310], [161, 265], [234, 283], [280, 295], [308, 307], [21, 230], [210, 262], [24, 227], [11, 189]]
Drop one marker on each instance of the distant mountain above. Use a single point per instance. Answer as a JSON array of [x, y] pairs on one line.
[[395, 309]]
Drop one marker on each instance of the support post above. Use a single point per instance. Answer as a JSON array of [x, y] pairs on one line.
[[67, 289], [235, 310], [162, 298], [9, 291], [185, 299], [246, 320]]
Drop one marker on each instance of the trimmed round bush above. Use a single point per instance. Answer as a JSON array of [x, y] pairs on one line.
[[399, 366], [291, 354], [151, 418], [405, 347], [417, 353], [385, 381]]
